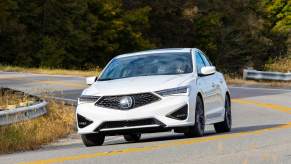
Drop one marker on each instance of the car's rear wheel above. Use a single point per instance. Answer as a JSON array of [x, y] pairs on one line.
[[132, 137], [93, 139], [198, 129], [225, 126]]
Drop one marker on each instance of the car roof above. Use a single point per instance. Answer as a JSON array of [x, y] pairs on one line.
[[154, 51]]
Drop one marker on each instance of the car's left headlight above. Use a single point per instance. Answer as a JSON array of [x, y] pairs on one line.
[[174, 91], [88, 99]]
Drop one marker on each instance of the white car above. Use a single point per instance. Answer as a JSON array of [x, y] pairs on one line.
[[154, 91]]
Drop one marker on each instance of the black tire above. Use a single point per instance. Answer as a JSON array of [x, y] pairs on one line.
[[225, 126], [198, 129], [132, 137], [93, 139]]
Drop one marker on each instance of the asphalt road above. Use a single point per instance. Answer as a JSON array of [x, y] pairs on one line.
[[261, 131]]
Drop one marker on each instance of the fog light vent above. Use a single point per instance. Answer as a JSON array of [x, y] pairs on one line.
[[82, 121], [180, 114]]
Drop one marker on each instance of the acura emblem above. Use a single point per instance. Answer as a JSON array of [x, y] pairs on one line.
[[126, 102]]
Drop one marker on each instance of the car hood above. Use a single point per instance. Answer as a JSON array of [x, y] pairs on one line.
[[138, 84]]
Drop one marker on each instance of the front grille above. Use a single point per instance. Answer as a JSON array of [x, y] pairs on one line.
[[138, 100], [129, 123]]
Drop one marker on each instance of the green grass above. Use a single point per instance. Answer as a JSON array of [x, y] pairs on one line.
[[239, 81]]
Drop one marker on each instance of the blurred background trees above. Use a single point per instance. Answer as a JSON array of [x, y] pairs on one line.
[[79, 34]]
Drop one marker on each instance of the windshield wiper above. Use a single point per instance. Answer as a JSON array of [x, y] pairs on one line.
[[106, 79]]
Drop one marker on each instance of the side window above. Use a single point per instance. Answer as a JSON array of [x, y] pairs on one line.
[[205, 59], [199, 62]]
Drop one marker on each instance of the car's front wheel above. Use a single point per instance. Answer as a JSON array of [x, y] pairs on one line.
[[132, 137], [93, 139], [198, 129], [225, 126]]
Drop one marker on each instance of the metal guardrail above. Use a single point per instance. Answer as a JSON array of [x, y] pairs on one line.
[[262, 75], [22, 113]]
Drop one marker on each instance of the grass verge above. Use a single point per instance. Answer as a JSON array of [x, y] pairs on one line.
[[10, 99], [31, 134], [280, 65], [238, 81], [83, 73]]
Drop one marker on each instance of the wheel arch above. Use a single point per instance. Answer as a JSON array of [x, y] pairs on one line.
[[200, 95], [227, 94]]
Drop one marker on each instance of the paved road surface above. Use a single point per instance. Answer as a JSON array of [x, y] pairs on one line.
[[261, 132], [60, 86]]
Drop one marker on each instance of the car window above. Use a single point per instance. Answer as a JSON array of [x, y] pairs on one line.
[[205, 59], [148, 65], [199, 63]]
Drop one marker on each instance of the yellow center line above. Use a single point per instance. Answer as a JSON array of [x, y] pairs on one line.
[[178, 142], [155, 147], [263, 105]]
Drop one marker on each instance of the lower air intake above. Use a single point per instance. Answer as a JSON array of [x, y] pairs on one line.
[[180, 114], [128, 123], [82, 121]]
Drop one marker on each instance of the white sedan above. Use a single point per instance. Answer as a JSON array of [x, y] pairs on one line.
[[154, 91]]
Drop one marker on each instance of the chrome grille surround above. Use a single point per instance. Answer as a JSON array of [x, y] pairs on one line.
[[139, 99]]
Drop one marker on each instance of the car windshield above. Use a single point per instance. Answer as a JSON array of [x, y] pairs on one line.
[[147, 65]]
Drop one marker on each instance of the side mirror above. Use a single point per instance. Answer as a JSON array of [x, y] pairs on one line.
[[208, 70], [91, 80]]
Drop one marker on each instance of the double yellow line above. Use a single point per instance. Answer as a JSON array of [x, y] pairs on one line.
[[178, 142]]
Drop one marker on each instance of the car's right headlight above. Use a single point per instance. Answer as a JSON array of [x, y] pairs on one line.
[[88, 99], [174, 91]]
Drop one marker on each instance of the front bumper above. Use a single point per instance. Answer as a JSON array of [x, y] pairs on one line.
[[148, 118]]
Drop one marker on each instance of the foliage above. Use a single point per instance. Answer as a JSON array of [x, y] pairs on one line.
[[69, 34], [279, 65], [278, 14], [237, 31], [93, 71], [82, 34]]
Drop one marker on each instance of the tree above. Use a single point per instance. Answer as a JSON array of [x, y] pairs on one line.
[[69, 33], [278, 14], [233, 32], [84, 33], [12, 34]]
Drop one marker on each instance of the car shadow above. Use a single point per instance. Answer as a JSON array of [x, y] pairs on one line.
[[171, 136], [159, 137]]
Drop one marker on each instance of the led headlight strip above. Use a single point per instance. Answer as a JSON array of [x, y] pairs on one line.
[[174, 91], [88, 99]]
